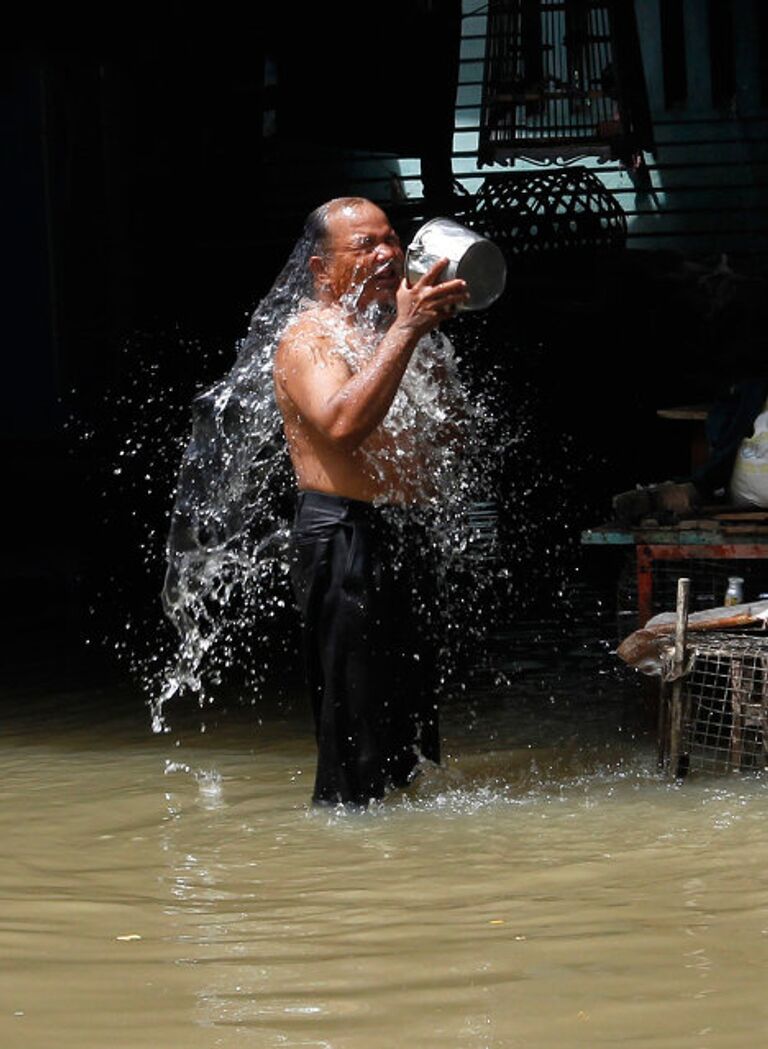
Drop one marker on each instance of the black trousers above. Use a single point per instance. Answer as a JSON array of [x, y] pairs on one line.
[[361, 576]]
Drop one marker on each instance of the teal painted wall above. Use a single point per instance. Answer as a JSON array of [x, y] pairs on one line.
[[710, 168]]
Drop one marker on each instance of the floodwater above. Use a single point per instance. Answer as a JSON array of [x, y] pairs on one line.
[[544, 888]]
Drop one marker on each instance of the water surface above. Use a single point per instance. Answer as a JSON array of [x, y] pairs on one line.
[[544, 888]]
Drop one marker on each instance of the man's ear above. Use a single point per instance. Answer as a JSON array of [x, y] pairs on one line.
[[319, 271]]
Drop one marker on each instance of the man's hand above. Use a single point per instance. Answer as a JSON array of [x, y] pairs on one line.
[[423, 306]]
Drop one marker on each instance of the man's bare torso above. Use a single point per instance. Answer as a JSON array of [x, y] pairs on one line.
[[391, 464]]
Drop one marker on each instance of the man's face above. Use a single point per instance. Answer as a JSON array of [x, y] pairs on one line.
[[363, 260]]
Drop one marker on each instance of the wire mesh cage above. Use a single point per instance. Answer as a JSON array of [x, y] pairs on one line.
[[724, 703]]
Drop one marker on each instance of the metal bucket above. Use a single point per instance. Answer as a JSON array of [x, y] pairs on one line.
[[472, 258]]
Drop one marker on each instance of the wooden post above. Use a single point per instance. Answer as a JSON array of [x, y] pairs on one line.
[[675, 721], [681, 623], [662, 730]]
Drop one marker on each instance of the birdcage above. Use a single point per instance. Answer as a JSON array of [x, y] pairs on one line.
[[714, 710], [562, 78]]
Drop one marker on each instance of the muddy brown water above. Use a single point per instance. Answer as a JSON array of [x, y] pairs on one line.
[[545, 887]]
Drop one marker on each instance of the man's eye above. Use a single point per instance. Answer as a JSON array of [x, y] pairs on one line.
[[371, 243]]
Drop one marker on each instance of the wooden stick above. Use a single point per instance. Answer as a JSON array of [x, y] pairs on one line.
[[676, 705]]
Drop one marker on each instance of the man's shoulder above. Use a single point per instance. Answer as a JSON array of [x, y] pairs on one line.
[[313, 322], [313, 337]]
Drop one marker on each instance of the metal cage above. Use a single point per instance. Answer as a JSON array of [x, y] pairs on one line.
[[721, 703]]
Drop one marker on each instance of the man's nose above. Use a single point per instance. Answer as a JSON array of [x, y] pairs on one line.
[[386, 251]]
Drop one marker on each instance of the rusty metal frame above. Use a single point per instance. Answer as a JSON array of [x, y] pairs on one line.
[[647, 553]]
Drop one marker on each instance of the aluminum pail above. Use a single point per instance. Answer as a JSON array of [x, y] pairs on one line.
[[472, 258]]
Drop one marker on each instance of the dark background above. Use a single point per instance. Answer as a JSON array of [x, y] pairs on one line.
[[145, 212]]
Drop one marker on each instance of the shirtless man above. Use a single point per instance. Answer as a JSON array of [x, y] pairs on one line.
[[337, 371]]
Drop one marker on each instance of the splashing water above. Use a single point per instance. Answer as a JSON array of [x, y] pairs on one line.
[[227, 590], [228, 569]]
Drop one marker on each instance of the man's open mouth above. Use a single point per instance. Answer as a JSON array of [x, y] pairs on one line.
[[387, 274]]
